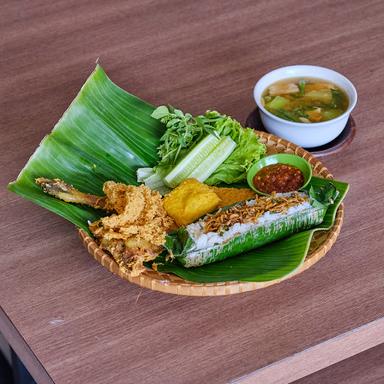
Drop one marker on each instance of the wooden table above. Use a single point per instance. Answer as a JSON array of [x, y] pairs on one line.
[[68, 318]]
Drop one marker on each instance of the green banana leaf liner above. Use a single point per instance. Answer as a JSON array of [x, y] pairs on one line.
[[106, 134]]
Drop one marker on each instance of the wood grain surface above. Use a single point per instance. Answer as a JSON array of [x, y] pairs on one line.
[[318, 357], [83, 324], [364, 368]]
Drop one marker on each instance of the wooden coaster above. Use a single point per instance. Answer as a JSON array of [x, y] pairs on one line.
[[341, 142]]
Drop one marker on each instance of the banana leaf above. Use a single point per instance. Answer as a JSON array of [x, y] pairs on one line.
[[270, 262], [106, 134]]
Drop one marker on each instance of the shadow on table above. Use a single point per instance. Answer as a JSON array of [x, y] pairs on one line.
[[15, 373]]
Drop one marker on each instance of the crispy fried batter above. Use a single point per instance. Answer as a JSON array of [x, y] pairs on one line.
[[229, 196], [244, 213], [135, 233]]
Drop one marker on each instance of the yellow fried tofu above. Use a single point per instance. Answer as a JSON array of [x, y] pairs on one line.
[[229, 196], [189, 201]]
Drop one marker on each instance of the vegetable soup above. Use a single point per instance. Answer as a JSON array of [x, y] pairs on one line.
[[305, 100]]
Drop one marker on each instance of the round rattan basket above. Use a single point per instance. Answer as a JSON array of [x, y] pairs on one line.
[[321, 242]]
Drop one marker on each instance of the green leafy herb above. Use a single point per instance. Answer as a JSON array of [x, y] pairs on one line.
[[302, 87], [286, 115], [183, 131], [324, 195], [301, 111], [178, 241], [198, 156], [247, 151], [337, 99]]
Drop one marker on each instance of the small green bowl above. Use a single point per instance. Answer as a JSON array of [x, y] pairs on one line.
[[282, 158]]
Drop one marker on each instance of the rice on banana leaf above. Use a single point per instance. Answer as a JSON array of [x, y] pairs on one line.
[[247, 225]]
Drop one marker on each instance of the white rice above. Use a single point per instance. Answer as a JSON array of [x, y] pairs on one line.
[[204, 240]]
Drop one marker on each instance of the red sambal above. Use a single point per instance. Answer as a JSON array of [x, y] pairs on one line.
[[278, 178]]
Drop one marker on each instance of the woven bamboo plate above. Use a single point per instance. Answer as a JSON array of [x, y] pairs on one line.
[[321, 242]]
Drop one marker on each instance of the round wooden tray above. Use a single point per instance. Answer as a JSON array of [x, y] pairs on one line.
[[338, 144], [321, 242]]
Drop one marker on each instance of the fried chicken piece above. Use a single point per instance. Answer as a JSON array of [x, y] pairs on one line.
[[135, 232], [63, 191]]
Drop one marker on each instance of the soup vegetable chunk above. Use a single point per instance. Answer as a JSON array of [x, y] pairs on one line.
[[305, 100]]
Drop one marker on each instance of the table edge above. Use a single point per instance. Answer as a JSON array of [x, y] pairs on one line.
[[286, 370], [23, 351], [319, 356]]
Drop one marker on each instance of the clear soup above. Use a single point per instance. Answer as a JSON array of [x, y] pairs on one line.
[[305, 100]]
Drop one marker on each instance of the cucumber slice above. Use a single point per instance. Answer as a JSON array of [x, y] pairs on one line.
[[156, 183], [143, 173], [184, 168], [214, 160]]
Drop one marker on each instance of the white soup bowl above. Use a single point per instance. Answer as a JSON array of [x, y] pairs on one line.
[[306, 135]]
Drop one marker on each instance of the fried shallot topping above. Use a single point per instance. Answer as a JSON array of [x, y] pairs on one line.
[[244, 212]]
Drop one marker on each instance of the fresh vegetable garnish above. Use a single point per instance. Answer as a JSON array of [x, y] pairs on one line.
[[182, 133], [153, 180], [324, 195], [213, 148], [248, 151], [192, 160], [214, 160]]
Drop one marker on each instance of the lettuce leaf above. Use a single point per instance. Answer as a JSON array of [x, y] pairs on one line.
[[183, 132], [248, 150]]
